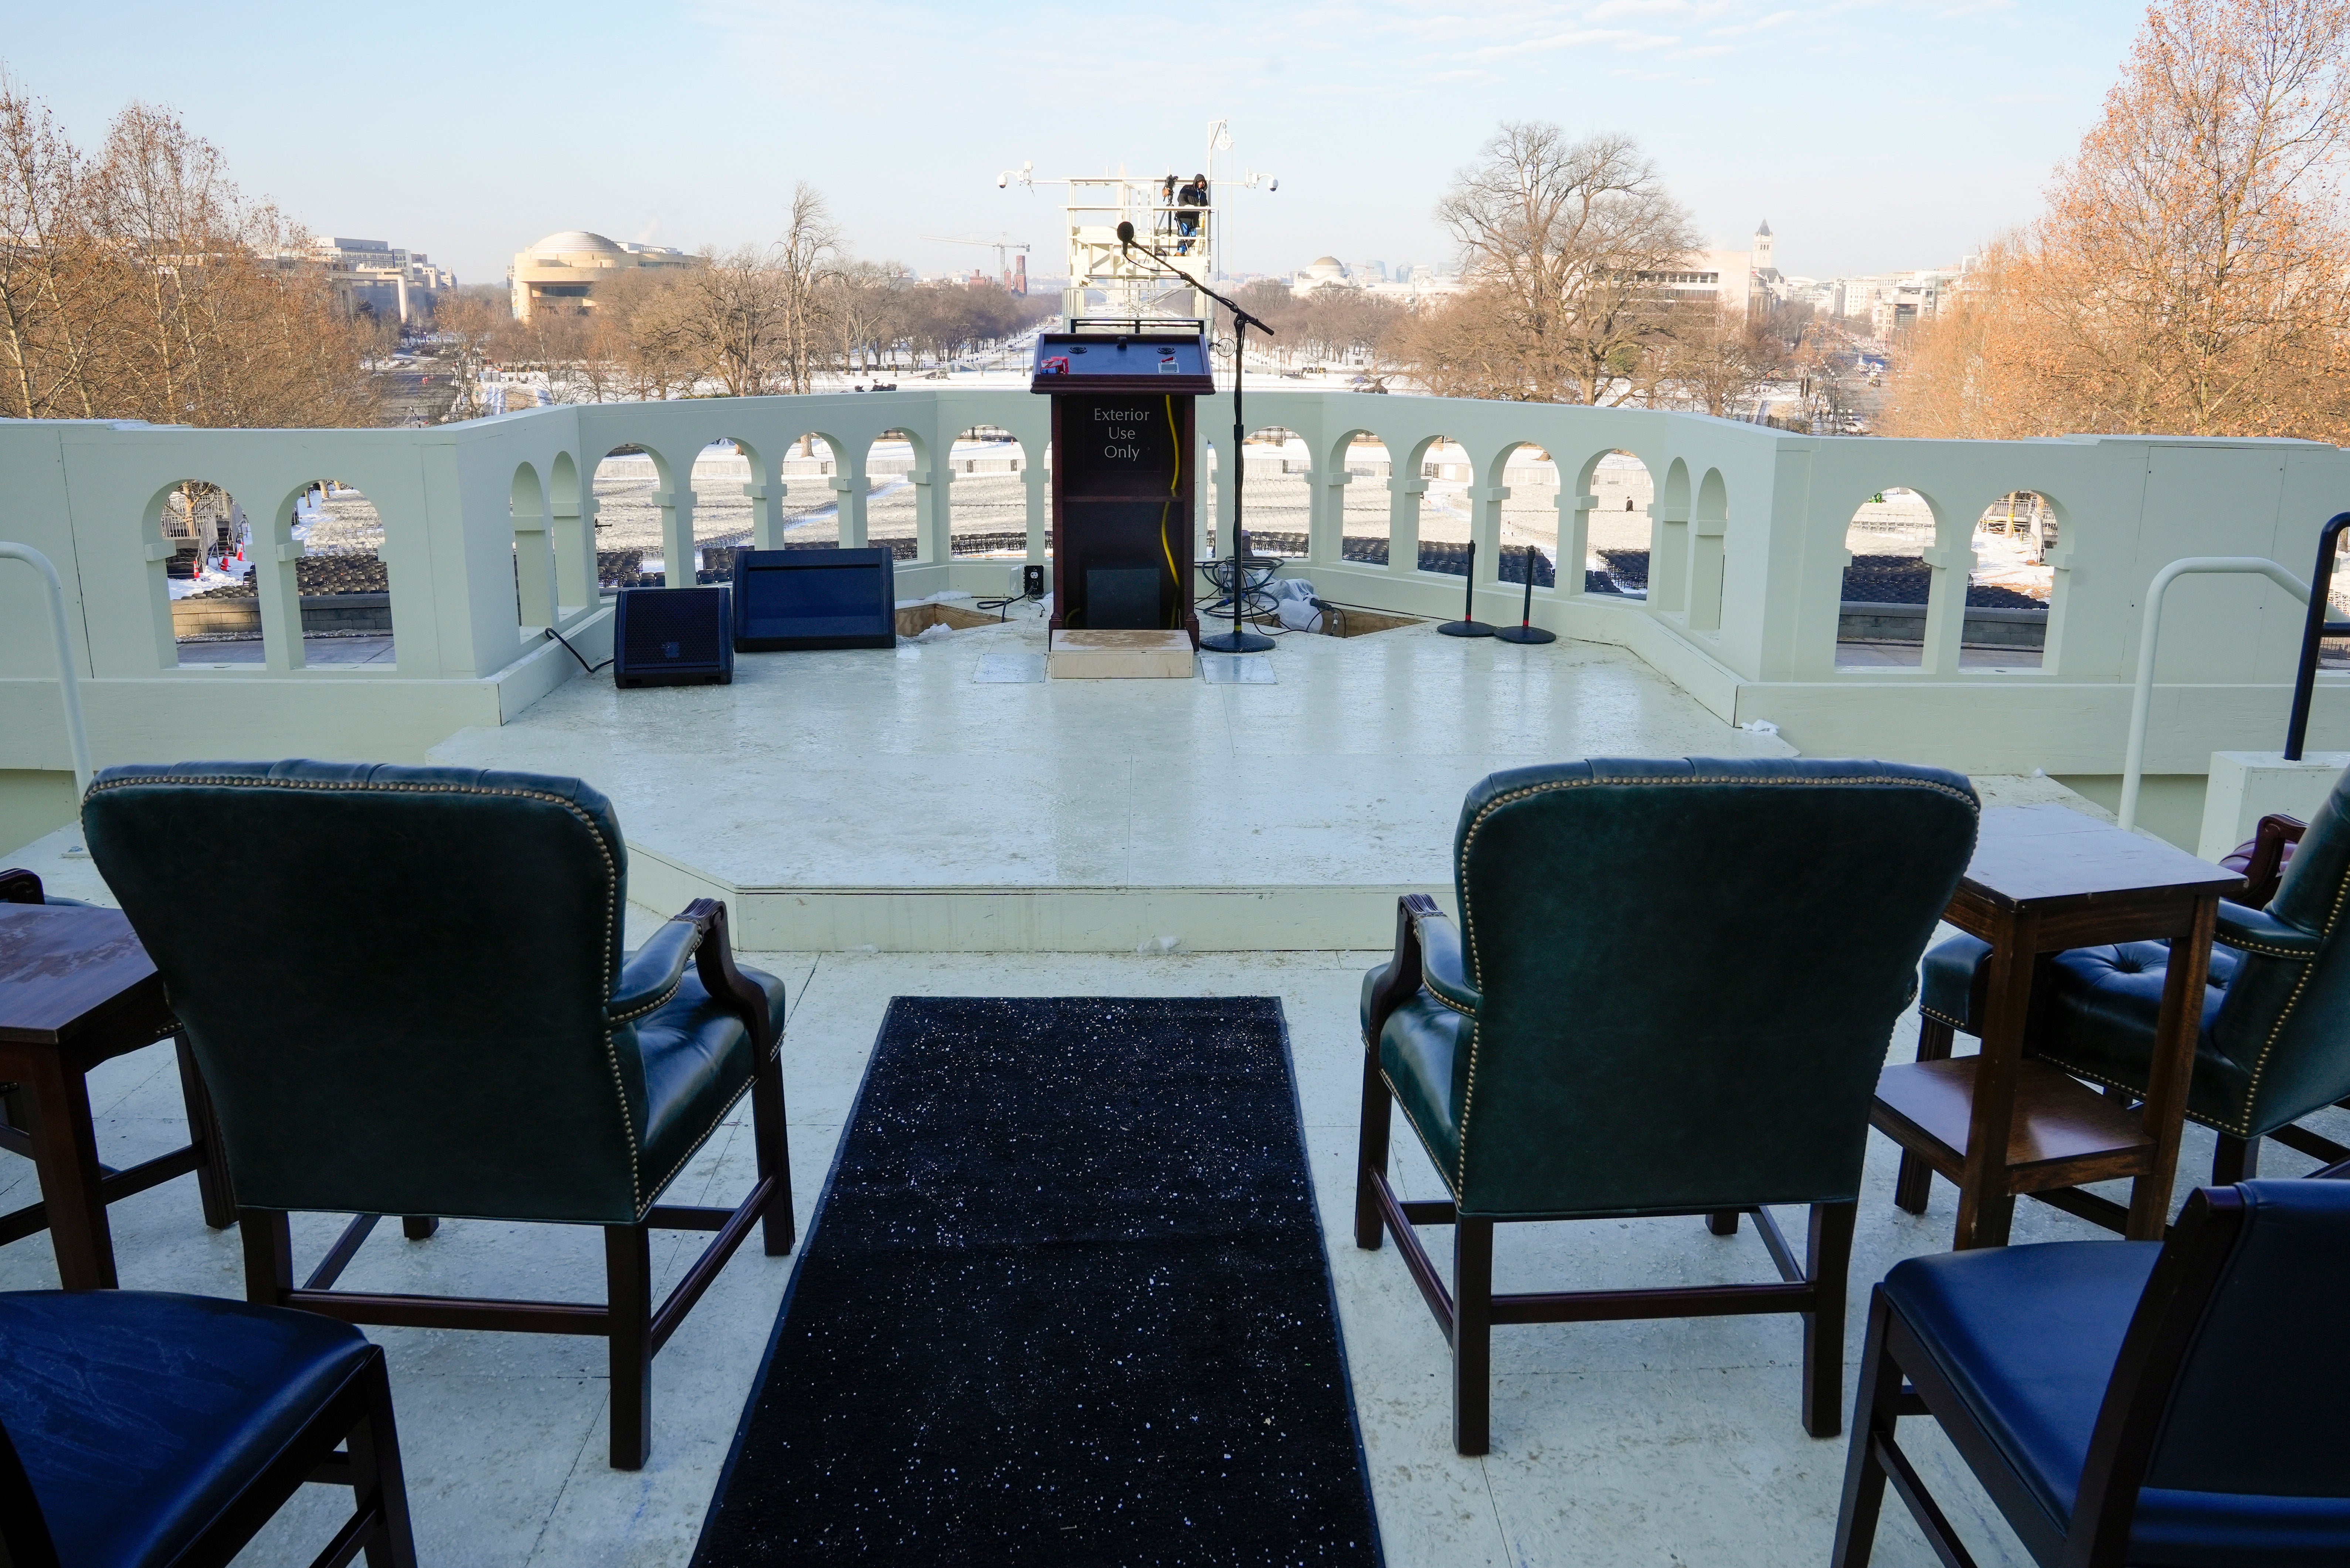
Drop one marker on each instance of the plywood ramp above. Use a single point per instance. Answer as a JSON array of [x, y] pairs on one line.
[[1119, 656]]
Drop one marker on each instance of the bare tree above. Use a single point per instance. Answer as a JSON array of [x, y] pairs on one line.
[[737, 318], [1716, 358], [2187, 275], [1564, 241], [807, 256], [866, 309], [467, 330], [140, 285], [55, 287]]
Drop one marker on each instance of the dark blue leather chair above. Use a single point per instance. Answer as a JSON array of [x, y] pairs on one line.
[[139, 1430], [2171, 1406]]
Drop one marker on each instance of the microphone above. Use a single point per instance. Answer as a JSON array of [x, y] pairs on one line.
[[1124, 234]]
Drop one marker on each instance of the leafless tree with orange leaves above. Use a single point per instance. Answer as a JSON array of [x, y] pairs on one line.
[[139, 284], [2189, 275]]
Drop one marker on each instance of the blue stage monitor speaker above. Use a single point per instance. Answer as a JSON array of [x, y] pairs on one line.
[[787, 599], [672, 637]]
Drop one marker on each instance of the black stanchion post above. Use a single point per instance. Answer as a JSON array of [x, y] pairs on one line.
[[1526, 631], [1469, 624]]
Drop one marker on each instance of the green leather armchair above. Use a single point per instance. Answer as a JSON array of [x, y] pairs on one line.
[[432, 1015], [1565, 1055]]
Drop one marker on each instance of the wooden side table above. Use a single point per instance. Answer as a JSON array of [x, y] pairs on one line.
[[76, 989], [2044, 878]]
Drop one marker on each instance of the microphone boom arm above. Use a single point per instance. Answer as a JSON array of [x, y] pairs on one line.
[[1236, 640]]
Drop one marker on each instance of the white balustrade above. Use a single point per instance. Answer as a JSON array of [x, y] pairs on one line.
[[1746, 539]]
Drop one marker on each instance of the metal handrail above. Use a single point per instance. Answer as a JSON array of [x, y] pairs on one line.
[[2142, 699], [68, 681], [2312, 632]]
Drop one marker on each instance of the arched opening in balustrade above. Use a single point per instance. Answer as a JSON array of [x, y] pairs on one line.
[[1881, 619], [891, 514], [2011, 587], [565, 526], [1529, 515], [1447, 517], [343, 575], [725, 512], [629, 484], [1366, 515], [533, 550], [811, 506], [987, 507], [1275, 490], [1709, 530], [206, 575], [1618, 531]]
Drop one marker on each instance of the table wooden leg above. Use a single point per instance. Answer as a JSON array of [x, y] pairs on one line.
[[66, 1155], [203, 1131], [2174, 1061], [1985, 1205]]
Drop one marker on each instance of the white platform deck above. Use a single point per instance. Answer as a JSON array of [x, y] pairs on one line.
[[896, 801]]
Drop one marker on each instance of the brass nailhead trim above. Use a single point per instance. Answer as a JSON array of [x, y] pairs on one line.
[[1476, 968], [2284, 1016], [611, 885]]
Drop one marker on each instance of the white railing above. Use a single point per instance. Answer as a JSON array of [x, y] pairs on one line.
[[489, 534]]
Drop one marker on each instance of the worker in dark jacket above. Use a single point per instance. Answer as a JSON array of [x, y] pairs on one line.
[[1187, 224]]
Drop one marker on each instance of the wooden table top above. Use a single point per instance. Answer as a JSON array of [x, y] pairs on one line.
[[60, 967], [2027, 855]]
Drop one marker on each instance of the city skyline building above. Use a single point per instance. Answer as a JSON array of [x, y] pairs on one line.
[[563, 271], [373, 277]]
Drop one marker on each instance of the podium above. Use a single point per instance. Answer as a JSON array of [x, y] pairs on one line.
[[1124, 484]]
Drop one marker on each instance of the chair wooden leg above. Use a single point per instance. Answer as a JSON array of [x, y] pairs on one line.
[[419, 1227], [2235, 1160], [1472, 1335], [1827, 1261], [1876, 1409], [777, 1230], [628, 1284], [1915, 1184], [377, 1481], [268, 1238], [213, 1188], [1722, 1221], [1371, 1155]]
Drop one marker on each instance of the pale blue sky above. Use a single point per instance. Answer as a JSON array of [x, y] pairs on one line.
[[1873, 134]]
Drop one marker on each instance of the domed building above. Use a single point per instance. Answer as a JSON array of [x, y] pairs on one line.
[[1319, 272], [561, 271]]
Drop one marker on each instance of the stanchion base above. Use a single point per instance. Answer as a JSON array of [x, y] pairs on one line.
[[1525, 634], [1465, 628], [1235, 642]]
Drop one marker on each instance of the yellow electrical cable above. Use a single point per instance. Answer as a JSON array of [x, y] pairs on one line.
[[1174, 488]]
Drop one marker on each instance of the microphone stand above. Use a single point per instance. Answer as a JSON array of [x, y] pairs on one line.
[[1235, 640]]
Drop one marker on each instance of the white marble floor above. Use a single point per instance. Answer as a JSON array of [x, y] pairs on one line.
[[1623, 1443], [902, 769]]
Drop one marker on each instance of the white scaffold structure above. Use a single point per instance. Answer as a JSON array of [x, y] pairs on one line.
[[1177, 221]]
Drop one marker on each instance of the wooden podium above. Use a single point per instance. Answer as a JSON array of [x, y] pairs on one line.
[[1123, 479]]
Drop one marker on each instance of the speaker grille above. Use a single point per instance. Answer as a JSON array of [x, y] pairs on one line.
[[673, 633]]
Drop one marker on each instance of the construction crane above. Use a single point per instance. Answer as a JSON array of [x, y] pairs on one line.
[[1002, 248]]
